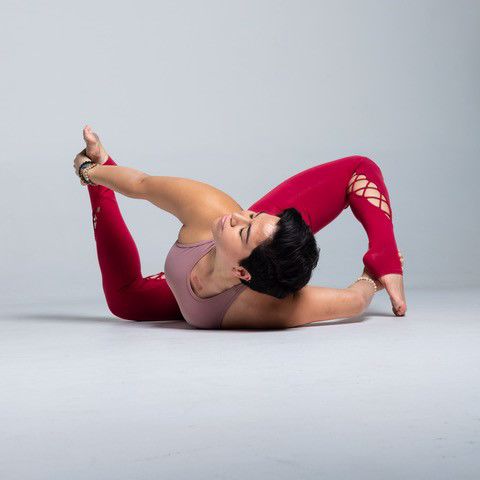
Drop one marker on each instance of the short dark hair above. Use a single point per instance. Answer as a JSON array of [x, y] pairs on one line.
[[283, 264]]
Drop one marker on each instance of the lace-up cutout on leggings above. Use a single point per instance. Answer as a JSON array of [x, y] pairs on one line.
[[319, 193], [363, 187]]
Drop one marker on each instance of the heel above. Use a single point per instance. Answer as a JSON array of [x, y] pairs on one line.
[[381, 263]]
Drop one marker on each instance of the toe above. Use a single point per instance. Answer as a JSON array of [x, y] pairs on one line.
[[88, 133], [399, 310]]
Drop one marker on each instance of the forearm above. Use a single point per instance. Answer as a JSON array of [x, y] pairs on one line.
[[124, 180]]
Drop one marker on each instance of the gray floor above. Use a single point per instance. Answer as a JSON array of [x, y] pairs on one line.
[[87, 396]]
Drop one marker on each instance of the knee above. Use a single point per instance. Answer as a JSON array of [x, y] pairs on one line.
[[368, 163], [121, 311]]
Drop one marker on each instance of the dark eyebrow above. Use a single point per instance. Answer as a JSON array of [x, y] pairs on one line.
[[250, 227]]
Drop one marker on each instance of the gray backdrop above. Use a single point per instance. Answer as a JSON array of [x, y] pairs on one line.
[[241, 95]]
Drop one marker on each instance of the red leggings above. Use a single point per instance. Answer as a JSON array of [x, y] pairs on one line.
[[320, 194]]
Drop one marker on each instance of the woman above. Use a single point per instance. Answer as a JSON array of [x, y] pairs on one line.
[[236, 268]]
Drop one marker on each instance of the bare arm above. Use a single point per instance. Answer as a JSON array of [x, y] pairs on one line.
[[124, 180], [314, 304], [193, 202], [196, 204]]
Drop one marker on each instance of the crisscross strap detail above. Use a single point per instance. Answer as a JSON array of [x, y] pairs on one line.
[[365, 188], [157, 276]]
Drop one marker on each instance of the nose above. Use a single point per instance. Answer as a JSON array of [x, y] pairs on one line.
[[237, 217]]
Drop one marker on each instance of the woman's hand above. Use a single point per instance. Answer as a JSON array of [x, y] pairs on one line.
[[78, 160]]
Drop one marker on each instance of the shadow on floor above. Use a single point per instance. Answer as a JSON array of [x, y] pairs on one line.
[[62, 317], [346, 321], [175, 324]]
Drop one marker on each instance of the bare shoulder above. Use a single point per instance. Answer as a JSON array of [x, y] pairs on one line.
[[189, 234], [254, 310]]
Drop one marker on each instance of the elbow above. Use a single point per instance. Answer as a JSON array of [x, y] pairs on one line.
[[139, 187], [358, 305]]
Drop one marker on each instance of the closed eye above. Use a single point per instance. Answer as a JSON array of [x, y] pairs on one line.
[[242, 229], [250, 227]]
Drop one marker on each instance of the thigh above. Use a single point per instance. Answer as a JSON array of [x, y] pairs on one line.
[[318, 193]]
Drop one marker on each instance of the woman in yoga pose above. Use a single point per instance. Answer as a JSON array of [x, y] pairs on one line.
[[237, 268]]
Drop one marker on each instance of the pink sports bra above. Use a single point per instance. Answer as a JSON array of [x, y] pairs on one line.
[[198, 312]]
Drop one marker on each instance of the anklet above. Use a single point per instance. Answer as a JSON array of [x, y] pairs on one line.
[[368, 280]]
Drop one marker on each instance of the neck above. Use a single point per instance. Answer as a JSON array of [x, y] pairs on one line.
[[209, 278]]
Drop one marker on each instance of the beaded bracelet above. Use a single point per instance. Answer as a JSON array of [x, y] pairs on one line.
[[85, 175], [368, 280], [83, 165], [82, 172]]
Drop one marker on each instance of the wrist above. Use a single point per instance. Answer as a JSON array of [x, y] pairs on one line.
[[86, 172], [364, 289], [377, 282], [366, 279]]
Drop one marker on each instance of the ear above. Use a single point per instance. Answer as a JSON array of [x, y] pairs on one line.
[[242, 273]]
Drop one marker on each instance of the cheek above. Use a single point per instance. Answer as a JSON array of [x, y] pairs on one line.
[[233, 241], [230, 243]]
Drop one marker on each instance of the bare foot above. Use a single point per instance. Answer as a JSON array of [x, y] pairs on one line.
[[95, 151], [393, 283]]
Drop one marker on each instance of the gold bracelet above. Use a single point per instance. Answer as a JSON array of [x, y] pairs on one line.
[[368, 280]]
